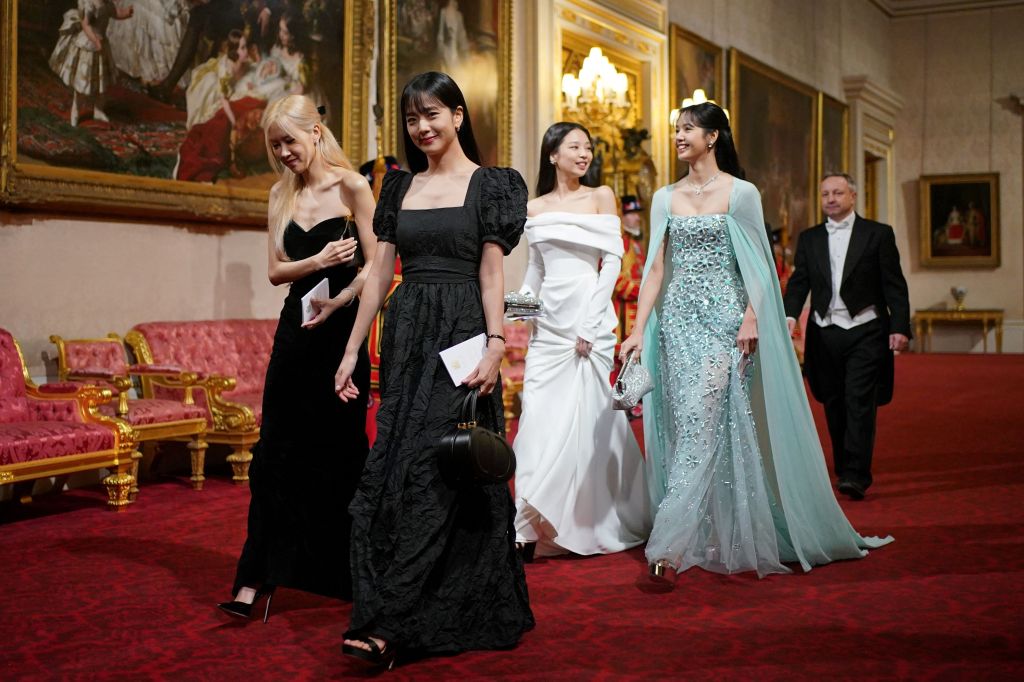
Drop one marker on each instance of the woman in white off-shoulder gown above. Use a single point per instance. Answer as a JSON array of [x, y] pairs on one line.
[[580, 484]]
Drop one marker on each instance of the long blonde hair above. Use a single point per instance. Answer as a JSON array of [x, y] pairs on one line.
[[292, 114]]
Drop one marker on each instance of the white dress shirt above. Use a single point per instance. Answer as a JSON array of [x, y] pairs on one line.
[[838, 243]]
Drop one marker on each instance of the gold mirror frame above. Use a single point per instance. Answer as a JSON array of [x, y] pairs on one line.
[[29, 186]]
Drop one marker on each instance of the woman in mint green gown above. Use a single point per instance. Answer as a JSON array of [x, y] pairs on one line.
[[735, 467]]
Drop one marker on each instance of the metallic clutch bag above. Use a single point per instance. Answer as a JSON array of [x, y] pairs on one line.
[[521, 306], [633, 383]]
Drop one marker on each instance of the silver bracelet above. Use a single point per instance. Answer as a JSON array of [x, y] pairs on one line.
[[351, 291]]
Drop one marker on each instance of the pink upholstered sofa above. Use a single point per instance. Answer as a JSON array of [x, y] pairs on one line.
[[230, 360], [103, 361], [57, 429]]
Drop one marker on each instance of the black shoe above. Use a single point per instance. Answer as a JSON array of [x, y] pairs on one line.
[[376, 656], [852, 490], [526, 550], [241, 609]]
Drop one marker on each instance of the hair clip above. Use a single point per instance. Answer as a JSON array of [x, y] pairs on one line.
[[322, 110]]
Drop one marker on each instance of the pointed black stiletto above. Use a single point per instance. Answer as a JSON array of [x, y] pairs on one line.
[[376, 656], [241, 609]]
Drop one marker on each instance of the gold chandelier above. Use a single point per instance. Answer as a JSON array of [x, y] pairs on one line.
[[598, 91]]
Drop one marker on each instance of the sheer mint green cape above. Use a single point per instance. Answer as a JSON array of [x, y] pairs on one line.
[[810, 525]]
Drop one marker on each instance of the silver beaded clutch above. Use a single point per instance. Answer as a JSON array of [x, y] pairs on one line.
[[633, 383], [522, 306]]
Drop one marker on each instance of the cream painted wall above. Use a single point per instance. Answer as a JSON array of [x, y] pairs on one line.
[[952, 70], [78, 277]]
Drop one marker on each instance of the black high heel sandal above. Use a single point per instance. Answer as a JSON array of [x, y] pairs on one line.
[[241, 609], [376, 656], [526, 550]]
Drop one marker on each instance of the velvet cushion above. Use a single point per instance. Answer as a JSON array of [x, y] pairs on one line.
[[13, 404], [155, 411], [96, 356], [28, 441]]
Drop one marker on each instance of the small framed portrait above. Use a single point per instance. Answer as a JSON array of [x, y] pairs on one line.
[[960, 220]]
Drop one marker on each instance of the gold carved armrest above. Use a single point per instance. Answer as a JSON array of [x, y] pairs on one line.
[[169, 377], [227, 415], [121, 382]]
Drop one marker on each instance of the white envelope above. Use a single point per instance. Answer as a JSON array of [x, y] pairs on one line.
[[322, 291], [462, 358]]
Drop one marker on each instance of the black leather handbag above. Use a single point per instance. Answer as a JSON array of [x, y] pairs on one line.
[[473, 454]]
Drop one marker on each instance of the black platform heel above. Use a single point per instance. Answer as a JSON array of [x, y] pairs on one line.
[[526, 550], [376, 656], [241, 609]]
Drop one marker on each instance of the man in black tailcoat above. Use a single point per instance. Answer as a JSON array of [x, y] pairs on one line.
[[860, 314]]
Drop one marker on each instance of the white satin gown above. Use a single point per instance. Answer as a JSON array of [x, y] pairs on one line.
[[580, 478]]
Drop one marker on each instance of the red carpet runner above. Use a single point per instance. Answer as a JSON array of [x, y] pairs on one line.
[[91, 594]]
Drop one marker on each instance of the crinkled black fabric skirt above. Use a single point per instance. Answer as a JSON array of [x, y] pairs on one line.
[[434, 566]]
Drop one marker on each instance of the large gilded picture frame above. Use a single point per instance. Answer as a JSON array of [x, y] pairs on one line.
[[774, 123], [174, 134], [469, 40], [694, 62], [833, 138], [960, 221]]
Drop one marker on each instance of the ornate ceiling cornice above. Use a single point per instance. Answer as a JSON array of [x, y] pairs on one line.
[[908, 8]]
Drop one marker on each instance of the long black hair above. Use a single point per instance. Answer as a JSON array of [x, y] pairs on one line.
[[710, 116], [421, 92], [549, 144]]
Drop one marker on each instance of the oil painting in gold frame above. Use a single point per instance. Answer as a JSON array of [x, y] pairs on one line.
[[694, 62], [960, 221], [774, 122], [469, 40], [160, 153]]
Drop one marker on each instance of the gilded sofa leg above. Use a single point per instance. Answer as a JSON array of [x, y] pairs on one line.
[[197, 449], [136, 458], [239, 460], [119, 485]]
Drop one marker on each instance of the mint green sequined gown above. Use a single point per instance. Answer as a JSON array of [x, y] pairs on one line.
[[716, 513], [735, 468]]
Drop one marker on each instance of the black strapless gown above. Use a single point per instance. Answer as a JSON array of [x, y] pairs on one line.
[[434, 567], [312, 446]]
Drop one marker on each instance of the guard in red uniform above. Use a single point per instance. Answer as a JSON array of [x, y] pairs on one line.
[[627, 287]]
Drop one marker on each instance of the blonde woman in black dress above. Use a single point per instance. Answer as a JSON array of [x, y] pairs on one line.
[[312, 447]]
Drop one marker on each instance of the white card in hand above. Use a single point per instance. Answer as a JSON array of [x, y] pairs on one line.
[[462, 358], [321, 291]]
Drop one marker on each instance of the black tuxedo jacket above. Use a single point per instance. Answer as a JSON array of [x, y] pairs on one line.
[[871, 276]]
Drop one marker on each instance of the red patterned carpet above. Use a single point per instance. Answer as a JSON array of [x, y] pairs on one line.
[[91, 594]]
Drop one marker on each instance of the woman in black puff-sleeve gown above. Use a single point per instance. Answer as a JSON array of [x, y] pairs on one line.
[[434, 567]]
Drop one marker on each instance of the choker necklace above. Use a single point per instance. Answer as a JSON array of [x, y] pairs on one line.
[[698, 190]]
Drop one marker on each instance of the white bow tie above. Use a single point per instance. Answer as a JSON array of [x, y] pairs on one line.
[[832, 226]]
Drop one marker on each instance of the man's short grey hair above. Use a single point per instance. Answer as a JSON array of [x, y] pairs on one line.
[[846, 176]]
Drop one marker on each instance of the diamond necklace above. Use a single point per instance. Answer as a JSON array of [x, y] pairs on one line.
[[698, 190]]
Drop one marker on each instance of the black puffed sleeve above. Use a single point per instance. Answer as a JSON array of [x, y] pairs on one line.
[[502, 206], [385, 218]]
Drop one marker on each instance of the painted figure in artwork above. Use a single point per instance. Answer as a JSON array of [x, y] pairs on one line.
[[82, 58]]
